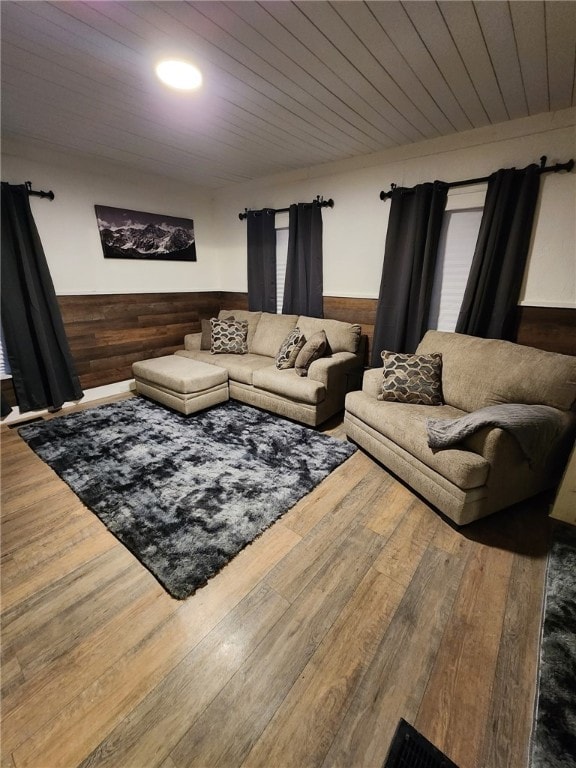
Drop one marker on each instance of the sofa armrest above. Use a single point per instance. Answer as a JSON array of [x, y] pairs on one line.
[[192, 341], [329, 370]]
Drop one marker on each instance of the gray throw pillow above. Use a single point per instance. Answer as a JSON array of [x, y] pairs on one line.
[[413, 379], [314, 348]]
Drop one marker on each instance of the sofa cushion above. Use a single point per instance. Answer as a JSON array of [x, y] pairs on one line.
[[480, 372], [289, 349], [342, 337], [288, 384], [240, 367], [405, 424], [271, 332], [408, 378], [228, 337], [252, 318], [314, 348]]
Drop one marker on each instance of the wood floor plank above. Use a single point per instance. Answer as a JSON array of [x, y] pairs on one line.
[[454, 709], [383, 518], [65, 630], [12, 676], [41, 697], [84, 722], [35, 521], [293, 574], [64, 538], [220, 738], [20, 495], [407, 544], [400, 668], [146, 735], [329, 680], [26, 621], [58, 567], [507, 736], [303, 517]]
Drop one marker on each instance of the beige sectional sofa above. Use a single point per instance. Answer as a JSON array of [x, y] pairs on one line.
[[253, 378], [487, 471]]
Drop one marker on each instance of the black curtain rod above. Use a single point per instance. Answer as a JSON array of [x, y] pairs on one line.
[[468, 182], [39, 192], [318, 201]]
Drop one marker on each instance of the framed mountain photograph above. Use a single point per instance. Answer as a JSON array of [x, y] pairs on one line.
[[126, 234]]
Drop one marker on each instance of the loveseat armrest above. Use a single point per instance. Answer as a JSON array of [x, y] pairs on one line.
[[372, 381], [192, 341], [512, 477], [497, 445]]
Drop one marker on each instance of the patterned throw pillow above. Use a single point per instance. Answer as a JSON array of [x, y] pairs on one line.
[[412, 378], [206, 340], [229, 338], [289, 349]]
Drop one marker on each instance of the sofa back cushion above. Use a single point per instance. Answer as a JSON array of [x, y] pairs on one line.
[[270, 333], [342, 337], [480, 372], [252, 318]]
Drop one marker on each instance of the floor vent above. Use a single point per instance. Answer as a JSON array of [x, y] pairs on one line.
[[409, 749]]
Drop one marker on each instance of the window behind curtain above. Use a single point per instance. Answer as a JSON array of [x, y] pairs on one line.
[[281, 259], [458, 238], [455, 251], [5, 372]]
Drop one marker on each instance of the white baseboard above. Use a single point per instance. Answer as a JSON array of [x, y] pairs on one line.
[[90, 395]]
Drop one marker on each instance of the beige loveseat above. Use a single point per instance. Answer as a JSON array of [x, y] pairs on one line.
[[254, 379], [487, 471]]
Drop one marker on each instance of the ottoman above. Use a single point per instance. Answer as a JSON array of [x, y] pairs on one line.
[[180, 383]]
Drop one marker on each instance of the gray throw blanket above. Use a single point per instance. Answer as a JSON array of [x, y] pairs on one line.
[[535, 427]]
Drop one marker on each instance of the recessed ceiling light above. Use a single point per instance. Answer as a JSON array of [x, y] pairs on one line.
[[179, 74]]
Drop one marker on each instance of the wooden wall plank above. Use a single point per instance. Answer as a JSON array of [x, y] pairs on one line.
[[550, 328], [108, 332]]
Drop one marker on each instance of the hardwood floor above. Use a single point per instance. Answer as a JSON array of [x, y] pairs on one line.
[[360, 606]]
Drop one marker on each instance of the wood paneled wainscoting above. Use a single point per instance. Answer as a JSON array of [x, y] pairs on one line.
[[108, 332]]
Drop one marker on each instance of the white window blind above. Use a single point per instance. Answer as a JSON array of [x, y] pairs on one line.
[[5, 372], [455, 251], [281, 260]]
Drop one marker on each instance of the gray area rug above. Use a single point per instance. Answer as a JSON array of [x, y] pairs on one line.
[[185, 493], [554, 735]]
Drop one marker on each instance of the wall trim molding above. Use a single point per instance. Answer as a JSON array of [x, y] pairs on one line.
[[90, 395]]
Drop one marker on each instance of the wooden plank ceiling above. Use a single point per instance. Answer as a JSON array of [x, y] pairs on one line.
[[286, 85]]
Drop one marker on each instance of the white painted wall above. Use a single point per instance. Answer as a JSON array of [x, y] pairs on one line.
[[69, 234], [355, 229]]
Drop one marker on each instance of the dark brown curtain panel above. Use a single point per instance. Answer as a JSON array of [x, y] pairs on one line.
[[43, 373], [412, 238], [491, 297], [304, 284], [261, 238]]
